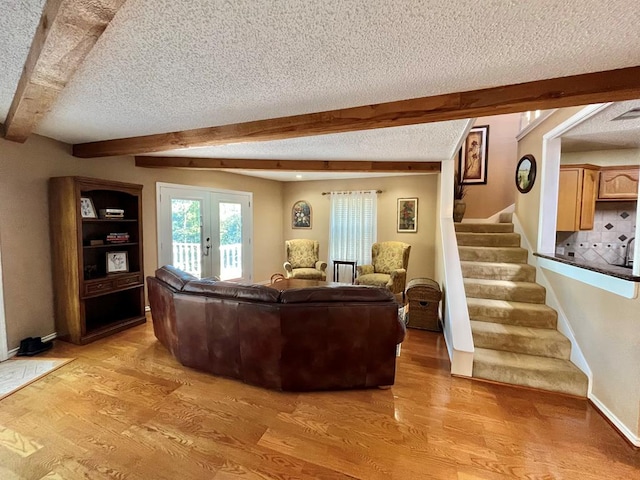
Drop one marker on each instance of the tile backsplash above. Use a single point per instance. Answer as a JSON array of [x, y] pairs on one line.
[[606, 244]]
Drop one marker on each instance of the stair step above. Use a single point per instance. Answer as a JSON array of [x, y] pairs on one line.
[[488, 239], [484, 227], [511, 338], [493, 254], [516, 272], [512, 313], [530, 371], [505, 290]]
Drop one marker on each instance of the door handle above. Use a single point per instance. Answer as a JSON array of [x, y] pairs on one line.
[[207, 247]]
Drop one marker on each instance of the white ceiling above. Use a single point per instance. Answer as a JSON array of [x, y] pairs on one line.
[[601, 132], [167, 65]]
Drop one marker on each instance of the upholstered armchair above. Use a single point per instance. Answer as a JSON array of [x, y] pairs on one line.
[[302, 260], [389, 266]]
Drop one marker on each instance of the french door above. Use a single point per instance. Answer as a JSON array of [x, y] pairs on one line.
[[205, 232]]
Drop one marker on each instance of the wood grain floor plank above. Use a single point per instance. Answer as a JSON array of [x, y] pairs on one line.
[[126, 409]]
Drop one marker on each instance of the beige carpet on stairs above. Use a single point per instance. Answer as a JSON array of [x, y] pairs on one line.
[[514, 333]]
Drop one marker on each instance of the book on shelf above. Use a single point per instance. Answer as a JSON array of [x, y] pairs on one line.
[[118, 237], [111, 213]]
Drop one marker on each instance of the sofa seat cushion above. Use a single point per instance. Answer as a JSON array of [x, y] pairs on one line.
[[174, 277], [346, 293], [375, 279], [239, 291], [308, 274]]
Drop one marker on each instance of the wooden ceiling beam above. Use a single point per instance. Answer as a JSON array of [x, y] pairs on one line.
[[611, 85], [67, 32], [288, 165]]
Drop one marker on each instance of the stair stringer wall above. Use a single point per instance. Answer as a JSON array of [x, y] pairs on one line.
[[564, 327]]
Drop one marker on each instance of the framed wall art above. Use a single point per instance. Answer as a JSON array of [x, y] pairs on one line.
[[117, 262], [473, 157], [301, 214], [408, 215], [526, 173]]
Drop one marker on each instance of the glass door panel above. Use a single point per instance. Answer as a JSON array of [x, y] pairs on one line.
[[186, 235], [230, 227]]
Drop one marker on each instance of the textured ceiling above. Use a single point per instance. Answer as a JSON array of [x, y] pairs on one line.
[[425, 143], [18, 22], [601, 132], [167, 65]]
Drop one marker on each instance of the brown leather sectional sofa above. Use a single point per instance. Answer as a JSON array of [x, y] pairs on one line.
[[317, 338]]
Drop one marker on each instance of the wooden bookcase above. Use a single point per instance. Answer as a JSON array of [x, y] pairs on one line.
[[94, 299]]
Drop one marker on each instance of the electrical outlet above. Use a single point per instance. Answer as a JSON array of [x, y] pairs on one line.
[[560, 250]]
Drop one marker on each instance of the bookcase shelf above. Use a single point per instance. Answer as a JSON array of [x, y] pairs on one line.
[[94, 298]]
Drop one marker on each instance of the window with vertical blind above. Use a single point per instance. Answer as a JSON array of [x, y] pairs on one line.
[[353, 227]]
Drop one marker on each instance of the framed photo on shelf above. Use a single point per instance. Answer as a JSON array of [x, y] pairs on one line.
[[473, 156], [301, 214], [407, 215], [117, 262], [87, 210]]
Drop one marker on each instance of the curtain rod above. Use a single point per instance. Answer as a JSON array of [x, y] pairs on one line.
[[351, 191]]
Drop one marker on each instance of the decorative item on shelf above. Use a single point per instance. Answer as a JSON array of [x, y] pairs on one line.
[[407, 215], [301, 214], [87, 210], [473, 157], [526, 173], [111, 213], [94, 243], [117, 262], [118, 237], [459, 192], [90, 271]]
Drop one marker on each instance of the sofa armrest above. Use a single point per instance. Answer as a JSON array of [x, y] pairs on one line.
[[320, 265], [364, 269], [287, 267], [397, 280]]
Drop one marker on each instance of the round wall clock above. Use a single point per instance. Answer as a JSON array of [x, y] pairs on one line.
[[526, 173]]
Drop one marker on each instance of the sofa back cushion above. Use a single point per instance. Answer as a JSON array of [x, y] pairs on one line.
[[389, 256], [238, 291], [174, 277], [346, 293], [302, 253]]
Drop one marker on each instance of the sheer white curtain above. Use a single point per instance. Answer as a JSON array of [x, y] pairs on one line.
[[353, 228]]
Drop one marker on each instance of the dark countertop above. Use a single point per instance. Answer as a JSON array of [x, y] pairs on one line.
[[612, 270]]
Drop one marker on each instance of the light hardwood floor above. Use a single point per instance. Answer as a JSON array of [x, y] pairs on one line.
[[126, 410]]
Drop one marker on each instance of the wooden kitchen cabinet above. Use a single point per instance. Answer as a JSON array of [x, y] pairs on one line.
[[619, 183], [577, 191]]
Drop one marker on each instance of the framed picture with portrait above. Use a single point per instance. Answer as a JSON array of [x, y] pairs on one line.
[[473, 157], [407, 215], [117, 262], [301, 214]]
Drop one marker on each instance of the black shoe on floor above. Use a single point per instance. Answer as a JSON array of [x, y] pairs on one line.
[[32, 346]]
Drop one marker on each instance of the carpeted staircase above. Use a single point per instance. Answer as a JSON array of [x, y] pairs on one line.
[[514, 332]]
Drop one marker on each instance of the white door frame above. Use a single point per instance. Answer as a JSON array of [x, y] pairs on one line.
[[248, 255]]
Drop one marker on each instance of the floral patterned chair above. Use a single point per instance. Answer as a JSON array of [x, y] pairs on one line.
[[302, 260], [389, 269]]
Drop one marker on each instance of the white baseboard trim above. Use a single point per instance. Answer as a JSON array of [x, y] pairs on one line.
[[621, 427], [14, 351]]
